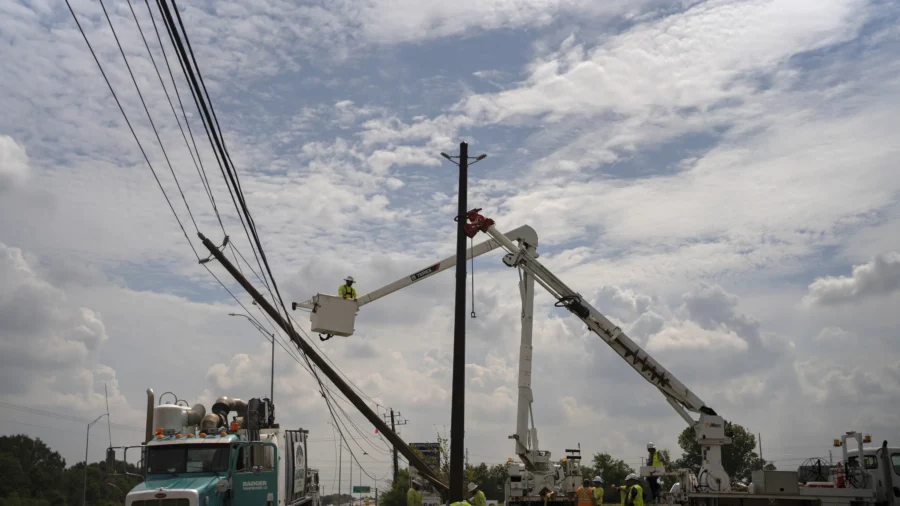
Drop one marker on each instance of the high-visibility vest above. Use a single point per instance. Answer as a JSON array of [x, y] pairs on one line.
[[598, 494], [479, 499], [638, 498], [413, 498], [656, 461], [622, 491], [347, 292], [584, 496], [460, 503]]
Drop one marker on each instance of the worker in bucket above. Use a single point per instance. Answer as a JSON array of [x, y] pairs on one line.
[[655, 459], [476, 495], [598, 490], [584, 496], [346, 290], [634, 494], [414, 496]]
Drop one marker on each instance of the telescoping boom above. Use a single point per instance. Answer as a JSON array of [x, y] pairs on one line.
[[709, 427]]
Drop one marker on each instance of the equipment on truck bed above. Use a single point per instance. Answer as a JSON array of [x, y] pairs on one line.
[[191, 458]]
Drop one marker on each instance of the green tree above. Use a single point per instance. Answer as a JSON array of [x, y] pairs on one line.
[[613, 471], [738, 458], [396, 496], [492, 479], [41, 467]]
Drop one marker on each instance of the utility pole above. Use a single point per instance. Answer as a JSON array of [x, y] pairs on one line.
[[87, 440], [458, 395], [313, 355], [340, 468], [394, 423], [759, 434]]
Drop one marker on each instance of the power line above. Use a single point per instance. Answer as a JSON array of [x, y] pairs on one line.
[[128, 122], [200, 170], [149, 117], [60, 416]]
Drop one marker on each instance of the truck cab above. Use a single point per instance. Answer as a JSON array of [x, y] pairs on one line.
[[192, 458], [880, 471]]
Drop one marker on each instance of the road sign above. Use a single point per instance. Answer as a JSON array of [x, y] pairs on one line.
[[367, 501], [360, 489]]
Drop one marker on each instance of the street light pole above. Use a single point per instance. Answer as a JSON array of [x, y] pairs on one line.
[[87, 440], [457, 413], [271, 336]]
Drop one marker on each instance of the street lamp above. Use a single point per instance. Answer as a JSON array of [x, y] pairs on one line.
[[457, 404], [272, 336], [87, 440]]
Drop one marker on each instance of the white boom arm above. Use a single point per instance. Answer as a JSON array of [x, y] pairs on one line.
[[524, 235], [709, 429]]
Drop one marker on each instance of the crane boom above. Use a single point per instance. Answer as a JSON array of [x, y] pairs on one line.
[[709, 429]]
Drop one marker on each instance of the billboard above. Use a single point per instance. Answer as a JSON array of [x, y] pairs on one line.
[[431, 453]]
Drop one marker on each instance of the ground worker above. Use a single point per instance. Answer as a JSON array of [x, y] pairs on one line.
[[414, 496], [584, 496], [346, 290], [634, 494], [655, 459], [476, 496], [622, 489], [598, 490]]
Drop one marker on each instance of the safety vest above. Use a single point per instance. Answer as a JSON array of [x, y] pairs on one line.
[[622, 491], [598, 494], [413, 498], [460, 503], [347, 292], [479, 499], [584, 496], [638, 499], [656, 461]]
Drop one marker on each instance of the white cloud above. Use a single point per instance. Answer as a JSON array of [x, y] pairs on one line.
[[13, 163], [675, 168], [878, 277], [688, 336]]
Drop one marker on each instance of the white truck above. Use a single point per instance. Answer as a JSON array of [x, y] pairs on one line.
[[537, 479]]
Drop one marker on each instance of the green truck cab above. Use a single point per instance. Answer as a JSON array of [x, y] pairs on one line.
[[191, 458]]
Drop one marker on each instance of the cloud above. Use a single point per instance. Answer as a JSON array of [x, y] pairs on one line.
[[878, 277], [13, 164], [49, 345]]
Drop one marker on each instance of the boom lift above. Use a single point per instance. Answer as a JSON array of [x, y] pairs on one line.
[[537, 476], [335, 316]]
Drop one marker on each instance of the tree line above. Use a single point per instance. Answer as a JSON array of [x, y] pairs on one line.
[[31, 474]]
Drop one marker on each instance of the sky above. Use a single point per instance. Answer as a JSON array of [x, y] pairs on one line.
[[717, 177]]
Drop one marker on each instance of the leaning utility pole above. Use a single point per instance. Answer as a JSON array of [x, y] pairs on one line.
[[324, 366], [458, 396], [394, 422]]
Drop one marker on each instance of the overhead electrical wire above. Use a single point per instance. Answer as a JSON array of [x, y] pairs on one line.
[[131, 128], [197, 161], [213, 131], [149, 117]]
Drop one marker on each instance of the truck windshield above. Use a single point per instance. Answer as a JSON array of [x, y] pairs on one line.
[[188, 459]]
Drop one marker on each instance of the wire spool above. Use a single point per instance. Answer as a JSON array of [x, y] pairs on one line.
[[814, 469]]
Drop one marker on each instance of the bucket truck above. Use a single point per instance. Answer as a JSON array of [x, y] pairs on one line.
[[541, 481]]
